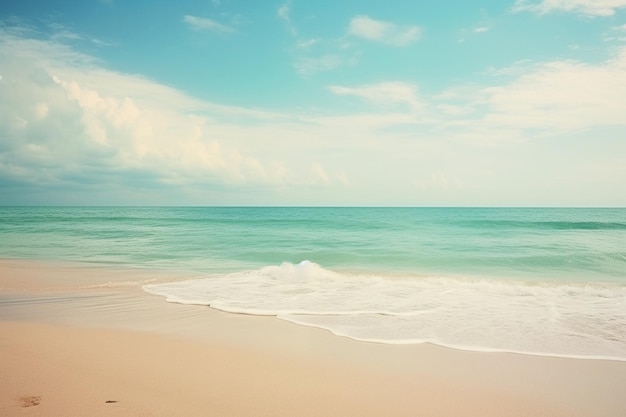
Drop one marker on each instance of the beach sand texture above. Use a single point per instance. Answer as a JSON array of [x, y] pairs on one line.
[[86, 341]]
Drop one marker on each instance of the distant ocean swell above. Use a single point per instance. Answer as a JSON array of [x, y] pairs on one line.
[[584, 320], [547, 225]]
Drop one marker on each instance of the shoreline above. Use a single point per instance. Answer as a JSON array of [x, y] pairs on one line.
[[78, 346]]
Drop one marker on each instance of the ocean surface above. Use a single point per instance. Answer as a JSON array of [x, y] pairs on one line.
[[545, 281]]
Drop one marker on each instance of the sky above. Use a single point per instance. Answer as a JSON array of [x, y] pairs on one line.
[[298, 102]]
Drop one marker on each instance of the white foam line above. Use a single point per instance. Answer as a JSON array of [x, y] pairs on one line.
[[478, 349]]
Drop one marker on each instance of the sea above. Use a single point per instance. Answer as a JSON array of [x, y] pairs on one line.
[[541, 281]]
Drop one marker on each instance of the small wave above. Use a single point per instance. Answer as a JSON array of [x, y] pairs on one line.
[[559, 319]]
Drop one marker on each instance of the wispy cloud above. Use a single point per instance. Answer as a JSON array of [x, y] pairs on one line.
[[307, 66], [204, 23], [283, 13], [61, 33], [306, 43], [383, 94], [585, 7], [381, 31], [315, 55]]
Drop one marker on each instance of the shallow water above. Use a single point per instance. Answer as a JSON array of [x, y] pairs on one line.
[[539, 281]]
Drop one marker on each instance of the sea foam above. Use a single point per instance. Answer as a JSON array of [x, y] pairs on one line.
[[556, 319]]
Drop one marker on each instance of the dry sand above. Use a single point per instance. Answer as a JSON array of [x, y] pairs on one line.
[[86, 341]]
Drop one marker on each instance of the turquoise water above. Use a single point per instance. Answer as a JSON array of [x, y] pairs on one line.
[[531, 280]]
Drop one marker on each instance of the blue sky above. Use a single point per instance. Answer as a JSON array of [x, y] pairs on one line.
[[430, 103]]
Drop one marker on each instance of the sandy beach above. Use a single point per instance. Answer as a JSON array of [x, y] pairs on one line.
[[81, 340]]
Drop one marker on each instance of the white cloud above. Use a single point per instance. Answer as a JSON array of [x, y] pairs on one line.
[[526, 102], [62, 117], [562, 96], [586, 7], [382, 31], [481, 29], [384, 94], [204, 23]]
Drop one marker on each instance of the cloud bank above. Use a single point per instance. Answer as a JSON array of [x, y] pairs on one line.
[[68, 123]]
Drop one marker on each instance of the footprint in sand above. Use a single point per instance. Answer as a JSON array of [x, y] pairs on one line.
[[29, 401]]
